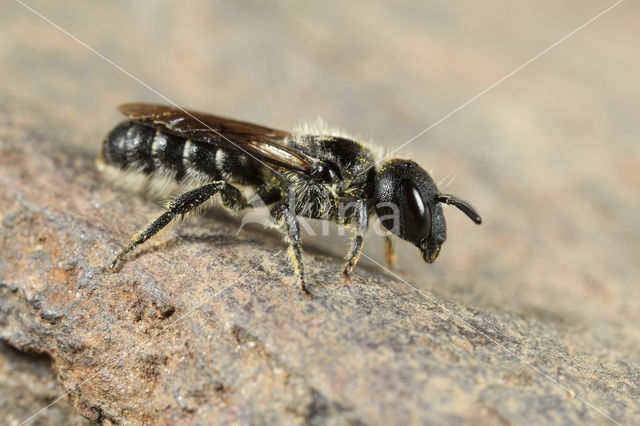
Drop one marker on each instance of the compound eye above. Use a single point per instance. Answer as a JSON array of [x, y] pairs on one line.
[[417, 214], [327, 173]]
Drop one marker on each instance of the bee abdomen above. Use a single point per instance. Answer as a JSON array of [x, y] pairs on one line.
[[148, 159], [128, 145], [136, 147]]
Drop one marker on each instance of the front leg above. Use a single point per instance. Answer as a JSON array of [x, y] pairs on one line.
[[362, 223], [283, 215], [389, 251]]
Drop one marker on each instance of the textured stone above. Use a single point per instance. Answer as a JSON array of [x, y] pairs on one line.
[[27, 384], [205, 325]]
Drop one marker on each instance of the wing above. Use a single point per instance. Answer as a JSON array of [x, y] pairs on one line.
[[258, 142]]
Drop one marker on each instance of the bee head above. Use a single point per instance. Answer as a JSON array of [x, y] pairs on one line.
[[408, 204]]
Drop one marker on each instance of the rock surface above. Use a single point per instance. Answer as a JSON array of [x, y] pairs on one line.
[[531, 318], [203, 324], [27, 384]]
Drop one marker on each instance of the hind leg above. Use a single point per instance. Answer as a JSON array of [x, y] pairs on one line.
[[181, 205]]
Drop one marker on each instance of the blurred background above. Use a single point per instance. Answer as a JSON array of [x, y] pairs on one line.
[[550, 157]]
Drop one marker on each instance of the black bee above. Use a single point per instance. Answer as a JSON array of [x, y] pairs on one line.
[[169, 151]]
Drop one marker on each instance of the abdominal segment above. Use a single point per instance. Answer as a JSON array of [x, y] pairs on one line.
[[142, 158]]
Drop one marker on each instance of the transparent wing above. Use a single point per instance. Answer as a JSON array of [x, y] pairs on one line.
[[259, 142]]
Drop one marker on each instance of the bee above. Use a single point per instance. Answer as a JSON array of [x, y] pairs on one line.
[[171, 151]]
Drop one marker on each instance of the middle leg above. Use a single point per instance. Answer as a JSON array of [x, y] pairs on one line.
[[284, 216]]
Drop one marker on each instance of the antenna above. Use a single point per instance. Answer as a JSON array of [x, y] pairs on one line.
[[465, 207]]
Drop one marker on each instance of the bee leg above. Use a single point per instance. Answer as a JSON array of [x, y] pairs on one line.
[[361, 229], [268, 193], [389, 251], [181, 205], [282, 213]]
